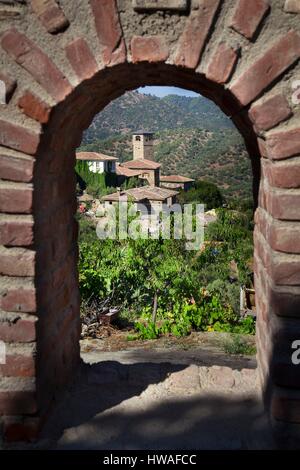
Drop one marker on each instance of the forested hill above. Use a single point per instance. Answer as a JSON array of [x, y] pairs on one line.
[[134, 110]]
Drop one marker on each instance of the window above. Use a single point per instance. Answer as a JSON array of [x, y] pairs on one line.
[[138, 138]]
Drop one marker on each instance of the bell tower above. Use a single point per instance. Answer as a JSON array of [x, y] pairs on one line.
[[143, 145]]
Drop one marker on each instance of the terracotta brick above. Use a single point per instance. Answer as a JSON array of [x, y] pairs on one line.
[[284, 175], [81, 59], [149, 48], [221, 65], [16, 429], [285, 206], [19, 331], [192, 42], [34, 107], [285, 270], [285, 405], [37, 63], [17, 402], [50, 14], [18, 365], [262, 147], [109, 31], [18, 138], [16, 168], [10, 86], [270, 112], [15, 198], [21, 299], [284, 237], [283, 144], [16, 231], [248, 15], [292, 6], [284, 304], [259, 75], [17, 262]]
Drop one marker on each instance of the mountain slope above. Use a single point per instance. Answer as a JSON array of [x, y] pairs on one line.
[[134, 110]]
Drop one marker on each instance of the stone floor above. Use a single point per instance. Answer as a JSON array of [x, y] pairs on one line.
[[160, 399]]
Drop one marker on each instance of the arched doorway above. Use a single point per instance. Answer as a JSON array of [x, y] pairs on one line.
[[66, 71]]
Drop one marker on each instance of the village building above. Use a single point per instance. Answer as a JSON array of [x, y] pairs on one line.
[[142, 143], [177, 182], [98, 162], [149, 196], [147, 170]]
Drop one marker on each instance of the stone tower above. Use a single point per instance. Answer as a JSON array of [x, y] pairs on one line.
[[143, 145]]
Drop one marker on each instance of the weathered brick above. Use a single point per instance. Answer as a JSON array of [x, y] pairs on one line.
[[284, 303], [283, 144], [37, 63], [149, 48], [15, 198], [81, 59], [16, 429], [18, 138], [50, 14], [18, 331], [259, 75], [10, 86], [17, 402], [18, 299], [192, 42], [248, 15], [284, 205], [17, 262], [285, 405], [34, 107], [221, 64], [284, 237], [109, 31], [283, 174], [16, 167], [269, 112], [18, 365], [16, 231], [285, 270], [292, 6]]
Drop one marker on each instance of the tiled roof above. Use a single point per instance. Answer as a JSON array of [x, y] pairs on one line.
[[176, 179], [93, 156], [123, 171], [141, 164], [152, 193]]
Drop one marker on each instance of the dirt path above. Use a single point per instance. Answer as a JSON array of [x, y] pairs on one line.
[[150, 397]]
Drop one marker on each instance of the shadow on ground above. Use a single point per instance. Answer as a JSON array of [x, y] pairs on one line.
[[138, 406]]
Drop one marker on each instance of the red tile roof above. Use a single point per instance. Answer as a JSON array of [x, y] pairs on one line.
[[95, 156], [151, 193], [175, 179], [123, 171], [141, 164]]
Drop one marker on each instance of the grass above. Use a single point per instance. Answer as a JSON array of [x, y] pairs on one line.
[[237, 345]]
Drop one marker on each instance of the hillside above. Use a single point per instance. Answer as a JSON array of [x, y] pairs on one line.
[[193, 138], [134, 110]]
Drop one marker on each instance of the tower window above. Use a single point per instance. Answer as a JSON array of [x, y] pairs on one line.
[[138, 138]]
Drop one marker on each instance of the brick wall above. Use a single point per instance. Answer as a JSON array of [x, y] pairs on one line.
[[60, 65]]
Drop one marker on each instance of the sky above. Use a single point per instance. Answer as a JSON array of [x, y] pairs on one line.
[[161, 91]]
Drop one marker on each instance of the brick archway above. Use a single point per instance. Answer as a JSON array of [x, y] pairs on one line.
[[61, 64]]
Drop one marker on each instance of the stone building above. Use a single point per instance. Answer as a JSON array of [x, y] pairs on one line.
[[177, 182]]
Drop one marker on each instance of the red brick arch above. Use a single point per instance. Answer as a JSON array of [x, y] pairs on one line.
[[61, 64]]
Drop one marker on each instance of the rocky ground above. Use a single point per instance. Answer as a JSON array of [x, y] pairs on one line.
[[164, 394]]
